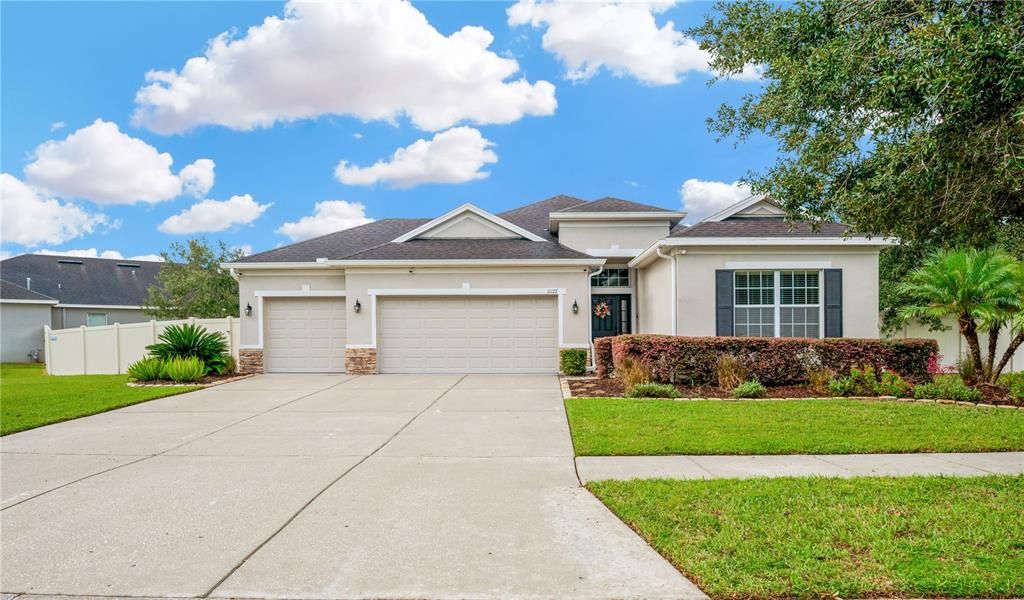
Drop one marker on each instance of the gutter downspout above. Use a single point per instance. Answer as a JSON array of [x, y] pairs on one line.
[[675, 297], [590, 327]]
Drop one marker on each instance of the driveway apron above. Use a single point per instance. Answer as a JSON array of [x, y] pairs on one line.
[[319, 486]]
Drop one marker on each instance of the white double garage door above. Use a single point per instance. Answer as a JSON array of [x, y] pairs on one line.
[[465, 334]]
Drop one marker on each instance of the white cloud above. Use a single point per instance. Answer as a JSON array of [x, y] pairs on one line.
[[632, 183], [703, 198], [214, 215], [452, 156], [328, 216], [623, 37], [57, 125], [94, 253], [29, 218], [104, 165], [357, 136], [370, 60], [197, 178]]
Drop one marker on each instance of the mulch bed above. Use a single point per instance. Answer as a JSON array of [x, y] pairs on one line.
[[593, 387], [207, 381]]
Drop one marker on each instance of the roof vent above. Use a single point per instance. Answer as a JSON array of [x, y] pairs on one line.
[[130, 265], [68, 261]]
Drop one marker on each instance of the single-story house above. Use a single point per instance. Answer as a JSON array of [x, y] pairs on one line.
[[472, 291], [74, 292]]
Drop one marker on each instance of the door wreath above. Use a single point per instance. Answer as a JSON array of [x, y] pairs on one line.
[[602, 309]]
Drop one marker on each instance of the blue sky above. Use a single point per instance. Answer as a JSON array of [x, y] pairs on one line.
[[629, 121]]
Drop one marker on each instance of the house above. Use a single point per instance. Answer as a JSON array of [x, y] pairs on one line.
[[73, 291], [472, 291]]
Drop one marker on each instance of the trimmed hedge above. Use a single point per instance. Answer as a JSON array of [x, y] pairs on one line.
[[603, 356], [772, 361], [573, 361]]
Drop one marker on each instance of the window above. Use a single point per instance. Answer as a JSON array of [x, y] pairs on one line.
[[777, 304], [94, 319], [611, 278]]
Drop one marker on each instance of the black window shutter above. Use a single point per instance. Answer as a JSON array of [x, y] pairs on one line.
[[724, 302], [833, 303]]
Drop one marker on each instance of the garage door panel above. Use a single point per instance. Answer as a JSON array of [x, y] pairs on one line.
[[304, 335], [477, 334]]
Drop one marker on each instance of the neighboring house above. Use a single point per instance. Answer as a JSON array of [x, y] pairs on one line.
[[80, 291], [22, 315], [472, 291]]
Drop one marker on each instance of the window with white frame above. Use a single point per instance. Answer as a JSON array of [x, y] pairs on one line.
[[777, 304], [611, 278], [95, 319]]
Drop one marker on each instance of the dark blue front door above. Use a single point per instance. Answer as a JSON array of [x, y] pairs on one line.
[[610, 314]]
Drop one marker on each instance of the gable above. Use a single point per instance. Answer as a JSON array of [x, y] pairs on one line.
[[468, 225], [761, 208]]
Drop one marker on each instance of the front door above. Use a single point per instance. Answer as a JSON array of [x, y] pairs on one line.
[[610, 314]]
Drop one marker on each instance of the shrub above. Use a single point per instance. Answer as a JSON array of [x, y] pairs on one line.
[[749, 389], [965, 367], [860, 382], [818, 380], [573, 361], [653, 390], [948, 388], [188, 340], [1014, 383], [772, 361], [185, 369], [147, 369], [229, 365], [633, 374], [603, 357], [731, 371], [891, 384]]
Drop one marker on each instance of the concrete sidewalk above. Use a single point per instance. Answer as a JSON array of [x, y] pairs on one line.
[[596, 468]]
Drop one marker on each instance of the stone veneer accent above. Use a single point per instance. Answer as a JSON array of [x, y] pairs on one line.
[[250, 360], [361, 361]]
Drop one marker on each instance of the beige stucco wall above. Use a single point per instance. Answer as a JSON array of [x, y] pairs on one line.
[[696, 283], [575, 281], [250, 282], [626, 235], [654, 297]]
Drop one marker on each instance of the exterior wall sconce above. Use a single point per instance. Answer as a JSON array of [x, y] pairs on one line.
[[357, 306], [248, 309], [575, 307]]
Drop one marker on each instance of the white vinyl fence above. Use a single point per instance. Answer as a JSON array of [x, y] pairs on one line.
[[952, 345], [109, 349]]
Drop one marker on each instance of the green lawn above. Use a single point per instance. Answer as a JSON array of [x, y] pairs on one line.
[[825, 538], [603, 427], [30, 398]]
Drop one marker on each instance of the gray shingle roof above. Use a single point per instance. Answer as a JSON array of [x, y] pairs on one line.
[[467, 249], [534, 217], [759, 227], [92, 281], [340, 244], [12, 291], [610, 204]]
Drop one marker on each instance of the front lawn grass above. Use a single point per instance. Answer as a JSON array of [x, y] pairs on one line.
[[607, 427], [825, 538], [30, 398]]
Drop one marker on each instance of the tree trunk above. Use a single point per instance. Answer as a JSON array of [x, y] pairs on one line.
[[1015, 342], [993, 342], [969, 329]]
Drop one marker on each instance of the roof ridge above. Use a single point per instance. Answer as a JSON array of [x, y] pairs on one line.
[[320, 237]]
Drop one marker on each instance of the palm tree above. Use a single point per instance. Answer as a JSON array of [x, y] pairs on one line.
[[981, 289]]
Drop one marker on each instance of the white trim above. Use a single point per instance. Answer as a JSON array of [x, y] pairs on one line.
[[782, 265], [561, 321], [250, 347], [15, 301], [360, 346], [779, 241], [556, 217], [732, 209], [613, 252], [480, 262], [300, 293], [108, 306], [238, 266], [512, 227], [467, 292]]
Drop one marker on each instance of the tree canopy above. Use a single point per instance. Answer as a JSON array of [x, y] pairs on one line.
[[900, 117], [191, 282]]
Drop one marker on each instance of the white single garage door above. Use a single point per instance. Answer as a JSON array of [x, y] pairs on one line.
[[474, 334], [304, 335]]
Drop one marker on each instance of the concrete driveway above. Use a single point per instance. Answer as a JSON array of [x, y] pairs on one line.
[[318, 486]]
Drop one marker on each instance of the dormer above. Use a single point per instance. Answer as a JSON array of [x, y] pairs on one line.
[[753, 207], [612, 227], [469, 222]]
